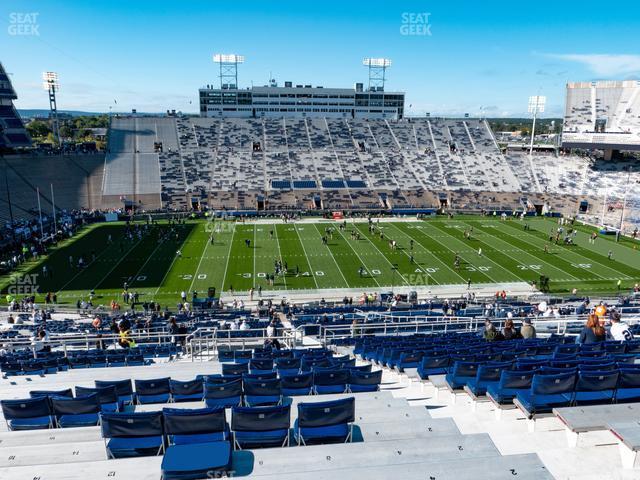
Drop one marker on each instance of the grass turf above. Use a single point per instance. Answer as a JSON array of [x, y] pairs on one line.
[[152, 268]]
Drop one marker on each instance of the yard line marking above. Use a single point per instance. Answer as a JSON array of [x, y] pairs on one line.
[[295, 227], [357, 255], [275, 230], [332, 256], [195, 275], [169, 269], [253, 276], [224, 275]]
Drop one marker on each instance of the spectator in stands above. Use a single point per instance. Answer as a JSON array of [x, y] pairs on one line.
[[509, 331], [592, 332], [490, 333], [619, 331], [125, 340], [40, 342], [527, 330], [272, 333]]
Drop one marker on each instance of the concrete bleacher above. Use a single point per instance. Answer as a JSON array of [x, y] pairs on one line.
[[392, 434]]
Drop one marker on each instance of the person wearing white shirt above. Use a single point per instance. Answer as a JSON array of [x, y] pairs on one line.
[[619, 331]]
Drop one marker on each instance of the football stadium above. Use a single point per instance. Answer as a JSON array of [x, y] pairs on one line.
[[283, 280]]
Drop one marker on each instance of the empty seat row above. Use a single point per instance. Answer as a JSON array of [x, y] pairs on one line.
[[197, 443]]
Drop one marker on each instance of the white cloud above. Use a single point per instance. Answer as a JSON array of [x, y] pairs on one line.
[[604, 65]]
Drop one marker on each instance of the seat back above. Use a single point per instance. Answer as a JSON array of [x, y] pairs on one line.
[[235, 368], [260, 419], [190, 387], [357, 377], [256, 387], [261, 364], [131, 425], [331, 377], [156, 386], [629, 378], [513, 379], [105, 394], [75, 406], [553, 384], [324, 414], [230, 388], [465, 369], [260, 376], [123, 387], [26, 408], [298, 381], [183, 425], [287, 363], [491, 371], [596, 381], [67, 392]]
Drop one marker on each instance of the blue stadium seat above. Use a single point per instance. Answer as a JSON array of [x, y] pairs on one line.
[[107, 396], [156, 390], [511, 383], [488, 374], [362, 381], [433, 365], [628, 390], [226, 356], [235, 368], [297, 384], [202, 425], [546, 393], [331, 381], [325, 422], [132, 434], [76, 412], [461, 373], [260, 365], [257, 427], [27, 414], [124, 388], [242, 356], [262, 392], [67, 392], [287, 366], [223, 394], [595, 387], [260, 376], [189, 391], [196, 461]]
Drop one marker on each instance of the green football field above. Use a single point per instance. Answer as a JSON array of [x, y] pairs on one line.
[[509, 254]]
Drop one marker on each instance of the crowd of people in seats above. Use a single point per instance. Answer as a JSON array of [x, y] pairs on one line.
[[600, 326], [509, 331]]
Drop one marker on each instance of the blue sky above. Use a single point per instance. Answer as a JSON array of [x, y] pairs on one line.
[[154, 55]]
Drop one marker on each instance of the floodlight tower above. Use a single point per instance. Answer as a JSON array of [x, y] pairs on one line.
[[228, 68], [51, 84], [377, 72], [536, 105]]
